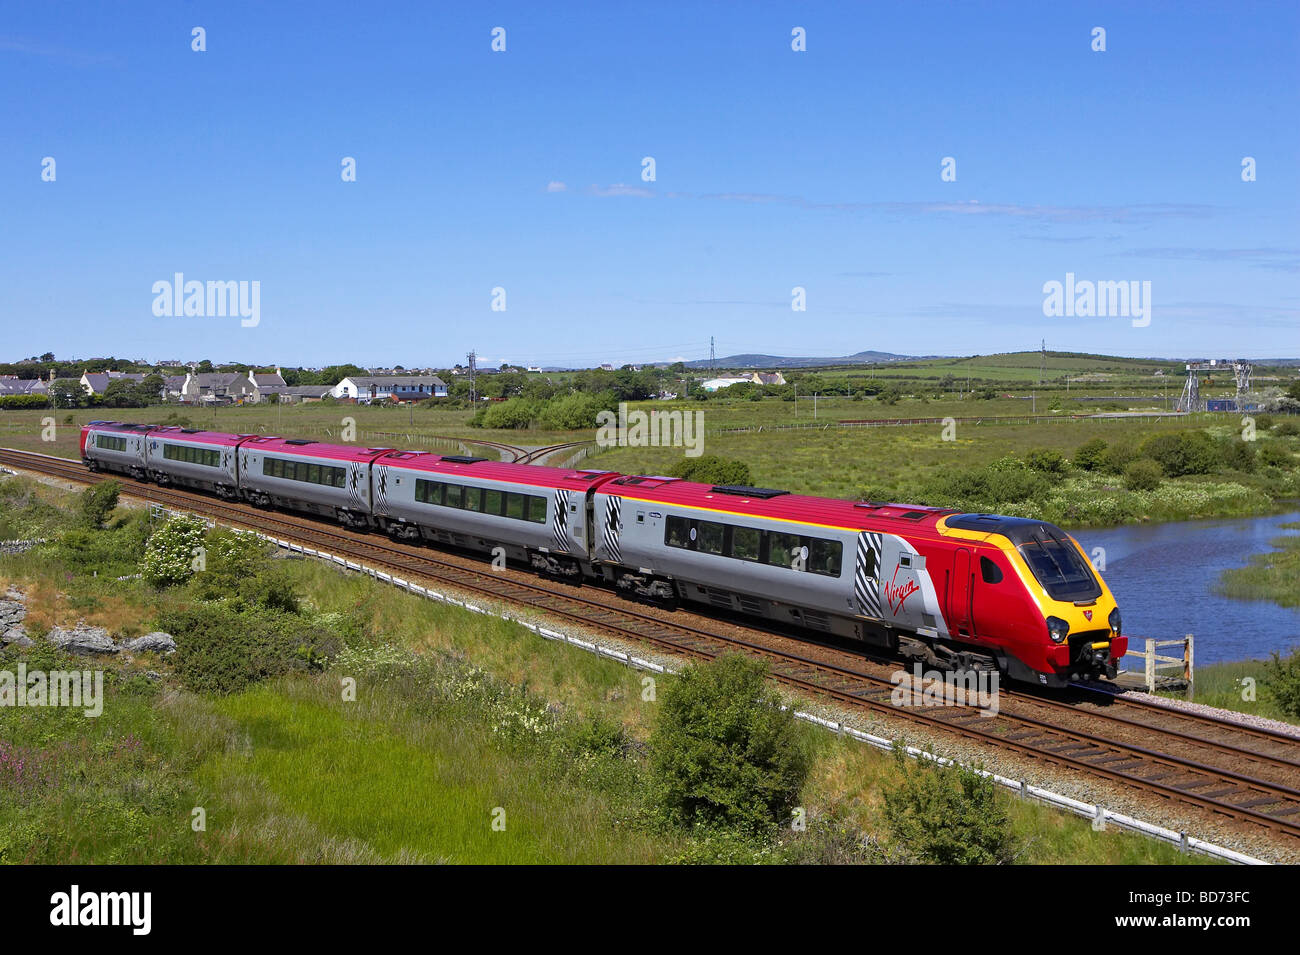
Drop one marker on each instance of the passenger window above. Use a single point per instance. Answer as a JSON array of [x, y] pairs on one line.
[[744, 542], [710, 537], [783, 550], [676, 533], [824, 557], [473, 499], [537, 510], [492, 502], [515, 505], [455, 495], [990, 571]]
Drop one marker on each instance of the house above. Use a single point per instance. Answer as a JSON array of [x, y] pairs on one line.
[[261, 383], [763, 378], [13, 385], [364, 389], [173, 385], [713, 384], [295, 394], [96, 383], [216, 388]]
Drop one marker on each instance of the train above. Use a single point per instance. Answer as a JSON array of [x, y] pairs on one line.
[[955, 590]]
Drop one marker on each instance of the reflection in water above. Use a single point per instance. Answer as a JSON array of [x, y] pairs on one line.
[[1163, 576]]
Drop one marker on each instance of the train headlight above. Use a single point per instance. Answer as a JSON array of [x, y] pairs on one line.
[[1057, 629], [1113, 620]]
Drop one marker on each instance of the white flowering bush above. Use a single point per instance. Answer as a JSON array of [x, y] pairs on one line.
[[170, 553]]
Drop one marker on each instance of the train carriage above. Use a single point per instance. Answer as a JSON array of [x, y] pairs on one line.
[[116, 446], [539, 514], [191, 457], [330, 480]]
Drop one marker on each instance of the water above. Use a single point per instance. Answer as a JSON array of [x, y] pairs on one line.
[[1163, 576]]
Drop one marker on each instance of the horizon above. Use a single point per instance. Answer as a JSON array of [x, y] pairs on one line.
[[775, 170]]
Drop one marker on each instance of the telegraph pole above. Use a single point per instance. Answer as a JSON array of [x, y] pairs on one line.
[[473, 373]]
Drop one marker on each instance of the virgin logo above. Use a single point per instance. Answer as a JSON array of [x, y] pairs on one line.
[[898, 592]]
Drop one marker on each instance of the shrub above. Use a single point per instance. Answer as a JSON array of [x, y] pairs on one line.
[[573, 412], [97, 501], [948, 815], [169, 557], [712, 469], [1276, 455], [238, 566], [723, 751], [1263, 422], [1089, 455], [1143, 475], [1282, 677], [515, 413], [1117, 457], [22, 402], [220, 649], [1183, 452], [1047, 460], [1287, 429], [1238, 454]]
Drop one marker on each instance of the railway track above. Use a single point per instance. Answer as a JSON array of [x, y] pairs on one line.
[[1202, 761]]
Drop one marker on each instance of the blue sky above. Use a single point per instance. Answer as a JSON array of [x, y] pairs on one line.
[[523, 170]]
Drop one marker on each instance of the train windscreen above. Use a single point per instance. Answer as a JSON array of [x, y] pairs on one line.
[[1059, 567]]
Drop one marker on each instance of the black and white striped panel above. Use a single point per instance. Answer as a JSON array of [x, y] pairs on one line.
[[613, 509], [381, 488], [866, 571], [560, 521]]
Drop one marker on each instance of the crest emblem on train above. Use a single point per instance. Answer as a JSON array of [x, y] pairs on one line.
[[1088, 615]]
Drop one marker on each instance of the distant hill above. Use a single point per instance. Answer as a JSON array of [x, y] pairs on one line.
[[778, 361]]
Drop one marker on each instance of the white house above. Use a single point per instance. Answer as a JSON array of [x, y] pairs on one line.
[[364, 390]]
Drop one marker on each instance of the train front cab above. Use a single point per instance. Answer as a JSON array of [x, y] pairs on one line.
[[1063, 624]]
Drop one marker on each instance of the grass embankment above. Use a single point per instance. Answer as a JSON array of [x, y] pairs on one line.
[[1272, 576], [459, 720], [1244, 686]]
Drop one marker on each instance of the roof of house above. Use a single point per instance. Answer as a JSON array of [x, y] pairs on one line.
[[10, 385], [218, 380], [306, 391], [98, 381], [394, 381], [272, 380]]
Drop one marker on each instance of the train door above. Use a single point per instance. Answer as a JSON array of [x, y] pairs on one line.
[[959, 594]]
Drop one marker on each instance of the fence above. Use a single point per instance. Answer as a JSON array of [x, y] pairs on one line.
[[1153, 662]]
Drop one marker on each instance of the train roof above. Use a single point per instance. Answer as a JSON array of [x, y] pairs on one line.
[[273, 444], [745, 501], [120, 426], [465, 466], [197, 436]]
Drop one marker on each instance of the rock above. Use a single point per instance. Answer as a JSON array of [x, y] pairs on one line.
[[22, 642], [156, 642], [14, 634], [82, 639], [11, 613], [13, 593]]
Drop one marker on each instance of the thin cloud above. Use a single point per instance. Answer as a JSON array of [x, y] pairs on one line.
[[620, 189], [1281, 260], [556, 186]]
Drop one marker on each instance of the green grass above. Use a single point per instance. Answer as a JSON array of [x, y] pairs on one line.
[[1274, 576], [1226, 685]]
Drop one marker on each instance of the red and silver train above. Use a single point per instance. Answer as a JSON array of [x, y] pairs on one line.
[[954, 590]]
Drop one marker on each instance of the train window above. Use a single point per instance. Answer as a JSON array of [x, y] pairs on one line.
[[537, 509], [313, 473], [492, 501], [677, 532], [824, 557], [473, 499], [710, 538], [990, 571], [745, 542], [455, 495], [1060, 568], [515, 505], [110, 443], [783, 549]]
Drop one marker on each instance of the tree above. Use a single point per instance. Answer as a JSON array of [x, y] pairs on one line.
[[723, 750], [68, 393], [48, 356], [97, 502]]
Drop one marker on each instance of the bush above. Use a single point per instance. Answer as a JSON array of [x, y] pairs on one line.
[[97, 501], [1143, 475], [948, 815], [1276, 455], [1089, 455], [1238, 455], [220, 649], [23, 402], [573, 412], [1287, 429], [1117, 457], [237, 566], [723, 751], [1282, 677], [1183, 452], [711, 469], [1047, 460], [515, 413], [169, 557]]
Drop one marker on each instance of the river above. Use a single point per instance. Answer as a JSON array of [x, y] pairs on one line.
[[1163, 576]]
